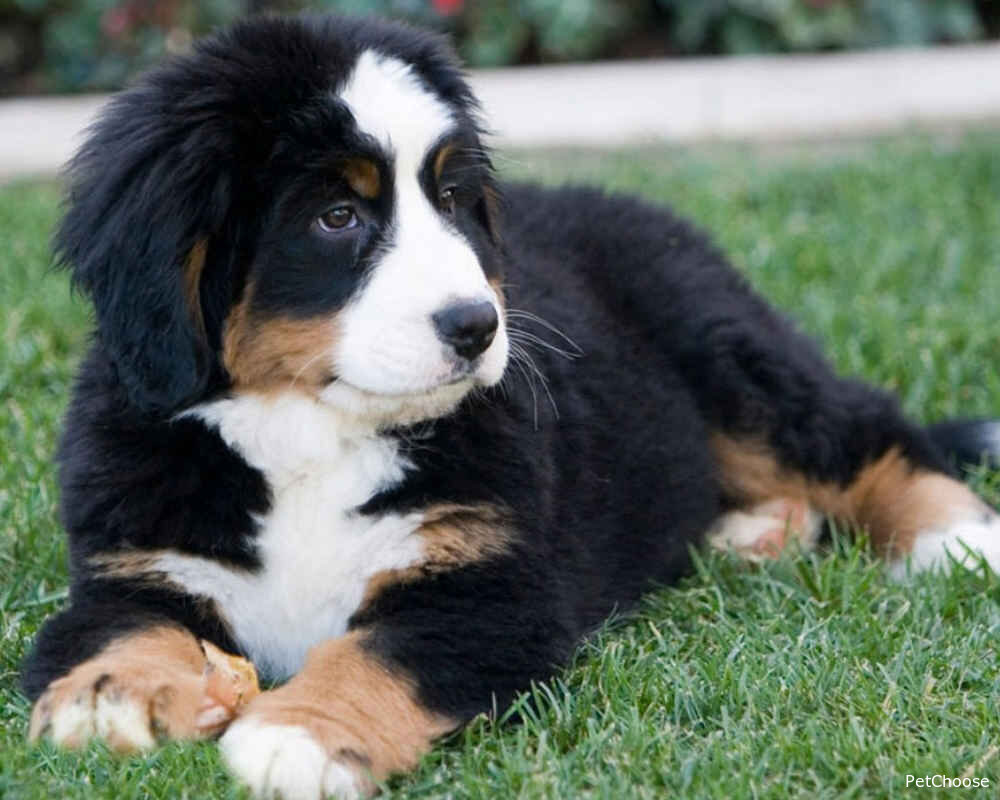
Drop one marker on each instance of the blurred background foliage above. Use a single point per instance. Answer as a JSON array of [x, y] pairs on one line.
[[88, 45]]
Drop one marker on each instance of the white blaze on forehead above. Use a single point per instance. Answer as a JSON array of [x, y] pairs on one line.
[[390, 103]]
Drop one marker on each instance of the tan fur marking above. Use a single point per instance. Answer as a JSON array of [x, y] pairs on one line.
[[193, 268], [453, 535], [442, 156], [749, 472], [890, 497], [127, 564], [363, 177], [276, 352], [895, 502], [362, 713], [159, 681]]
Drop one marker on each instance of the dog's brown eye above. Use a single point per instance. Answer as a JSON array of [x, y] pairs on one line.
[[447, 200], [338, 218]]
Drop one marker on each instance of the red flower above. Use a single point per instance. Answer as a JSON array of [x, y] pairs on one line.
[[447, 8]]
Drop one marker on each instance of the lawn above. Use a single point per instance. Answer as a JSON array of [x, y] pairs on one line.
[[812, 677]]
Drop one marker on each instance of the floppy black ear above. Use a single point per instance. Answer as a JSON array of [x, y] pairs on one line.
[[150, 186]]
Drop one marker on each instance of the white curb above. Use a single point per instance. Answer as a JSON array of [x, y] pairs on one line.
[[679, 100]]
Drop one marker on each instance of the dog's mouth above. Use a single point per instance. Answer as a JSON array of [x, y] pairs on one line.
[[398, 390], [459, 372], [386, 410], [466, 376]]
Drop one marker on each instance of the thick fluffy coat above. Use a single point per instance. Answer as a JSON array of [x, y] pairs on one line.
[[397, 433]]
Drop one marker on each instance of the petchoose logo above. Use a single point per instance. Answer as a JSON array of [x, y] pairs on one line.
[[945, 782]]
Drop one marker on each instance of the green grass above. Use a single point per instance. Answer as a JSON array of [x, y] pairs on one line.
[[812, 677]]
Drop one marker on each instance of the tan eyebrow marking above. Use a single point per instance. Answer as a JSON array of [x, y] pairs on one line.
[[363, 177], [441, 157]]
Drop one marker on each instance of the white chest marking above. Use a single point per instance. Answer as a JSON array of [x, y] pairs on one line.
[[317, 554]]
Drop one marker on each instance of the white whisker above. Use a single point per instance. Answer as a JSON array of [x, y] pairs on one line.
[[527, 363], [518, 313], [518, 360], [530, 338]]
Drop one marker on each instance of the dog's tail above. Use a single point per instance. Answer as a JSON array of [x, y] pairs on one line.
[[968, 442]]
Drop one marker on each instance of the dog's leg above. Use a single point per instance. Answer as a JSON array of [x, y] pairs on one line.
[[918, 516], [147, 685], [784, 426], [345, 721], [426, 654]]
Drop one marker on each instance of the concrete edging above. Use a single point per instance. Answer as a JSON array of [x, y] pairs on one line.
[[677, 100]]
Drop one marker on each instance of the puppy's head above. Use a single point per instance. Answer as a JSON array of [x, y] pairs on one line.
[[300, 203]]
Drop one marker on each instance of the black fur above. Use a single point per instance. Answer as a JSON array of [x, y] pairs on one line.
[[188, 153], [606, 473], [969, 443]]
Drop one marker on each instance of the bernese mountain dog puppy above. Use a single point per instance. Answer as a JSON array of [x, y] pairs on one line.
[[399, 435]]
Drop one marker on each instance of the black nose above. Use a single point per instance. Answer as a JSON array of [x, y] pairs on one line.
[[468, 327]]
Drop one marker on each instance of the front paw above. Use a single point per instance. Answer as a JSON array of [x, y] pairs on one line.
[[143, 690], [341, 725], [293, 761]]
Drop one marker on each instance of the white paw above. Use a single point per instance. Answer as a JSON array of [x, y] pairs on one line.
[[964, 543], [118, 718], [70, 715], [286, 762], [762, 532], [148, 688]]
